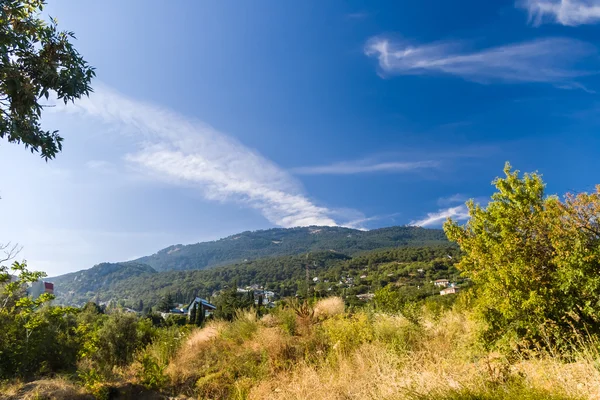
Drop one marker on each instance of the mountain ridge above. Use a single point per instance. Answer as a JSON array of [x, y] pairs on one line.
[[251, 245], [240, 250]]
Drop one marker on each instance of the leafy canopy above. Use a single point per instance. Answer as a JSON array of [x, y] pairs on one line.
[[534, 261], [36, 61]]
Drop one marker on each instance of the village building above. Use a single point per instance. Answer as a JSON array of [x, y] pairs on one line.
[[441, 282], [40, 287], [450, 290], [202, 304], [366, 296]]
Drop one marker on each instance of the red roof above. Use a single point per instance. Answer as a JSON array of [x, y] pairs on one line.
[[48, 285]]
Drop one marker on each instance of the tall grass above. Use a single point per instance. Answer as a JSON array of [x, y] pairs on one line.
[[368, 356], [326, 353]]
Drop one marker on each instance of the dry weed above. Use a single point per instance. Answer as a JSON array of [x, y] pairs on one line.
[[46, 389], [329, 307]]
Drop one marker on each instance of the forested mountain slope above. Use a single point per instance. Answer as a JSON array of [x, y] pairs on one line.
[[280, 241], [274, 257], [87, 283], [336, 273]]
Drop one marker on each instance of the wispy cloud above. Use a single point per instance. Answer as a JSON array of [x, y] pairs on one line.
[[183, 151], [453, 199], [458, 213], [364, 166], [564, 12], [553, 61]]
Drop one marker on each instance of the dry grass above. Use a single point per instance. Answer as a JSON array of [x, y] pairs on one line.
[[45, 389], [368, 357], [329, 307], [186, 361], [445, 364], [358, 356]]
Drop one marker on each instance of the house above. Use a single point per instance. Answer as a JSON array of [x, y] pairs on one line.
[[450, 290], [201, 304], [441, 282], [366, 296], [36, 289]]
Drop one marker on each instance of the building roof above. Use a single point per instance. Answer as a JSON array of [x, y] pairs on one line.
[[202, 301]]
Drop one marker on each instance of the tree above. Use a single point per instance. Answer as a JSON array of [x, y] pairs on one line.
[[166, 304], [534, 261], [193, 313], [34, 336], [119, 339], [36, 60], [231, 300], [199, 320]]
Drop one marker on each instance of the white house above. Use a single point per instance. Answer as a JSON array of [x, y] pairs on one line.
[[441, 282]]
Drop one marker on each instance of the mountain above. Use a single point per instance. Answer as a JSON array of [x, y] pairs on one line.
[[335, 273], [290, 241], [88, 282], [274, 256]]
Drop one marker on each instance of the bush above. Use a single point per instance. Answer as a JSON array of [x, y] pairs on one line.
[[121, 336], [346, 333], [35, 338], [534, 261]]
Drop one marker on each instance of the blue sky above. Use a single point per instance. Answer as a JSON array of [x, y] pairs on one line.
[[211, 118]]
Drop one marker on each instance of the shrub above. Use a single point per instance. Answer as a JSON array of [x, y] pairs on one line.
[[120, 337], [346, 333], [534, 261], [35, 338]]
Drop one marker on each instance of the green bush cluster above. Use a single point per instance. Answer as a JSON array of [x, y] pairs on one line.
[[534, 260]]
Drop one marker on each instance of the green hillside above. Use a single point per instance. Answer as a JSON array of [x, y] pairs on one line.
[[280, 241], [335, 273], [85, 284], [276, 258]]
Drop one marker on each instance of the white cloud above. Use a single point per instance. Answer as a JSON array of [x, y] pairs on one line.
[[359, 167], [188, 152], [564, 12], [458, 213], [453, 199], [553, 60]]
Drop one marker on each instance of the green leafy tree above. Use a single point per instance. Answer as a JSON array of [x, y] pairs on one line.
[[34, 338], [36, 61], [117, 339], [167, 303], [231, 300], [534, 261]]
